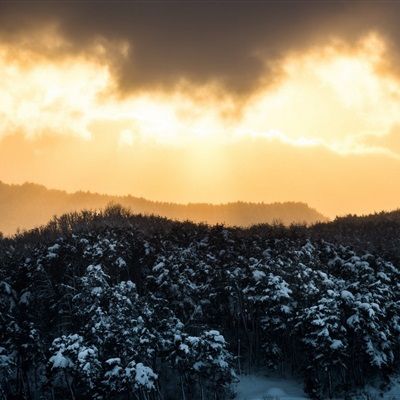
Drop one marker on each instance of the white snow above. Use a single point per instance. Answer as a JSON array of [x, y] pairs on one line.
[[54, 248], [158, 266], [352, 320], [25, 297], [112, 361], [145, 376], [60, 361], [216, 336], [346, 295], [120, 262], [184, 347], [97, 291], [258, 387], [392, 392], [258, 275], [52, 251], [337, 344]]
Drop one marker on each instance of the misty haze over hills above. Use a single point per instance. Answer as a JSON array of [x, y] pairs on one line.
[[29, 205]]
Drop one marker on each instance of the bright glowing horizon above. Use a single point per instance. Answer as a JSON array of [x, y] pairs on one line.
[[328, 121]]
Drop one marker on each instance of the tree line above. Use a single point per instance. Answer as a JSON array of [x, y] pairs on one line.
[[109, 304]]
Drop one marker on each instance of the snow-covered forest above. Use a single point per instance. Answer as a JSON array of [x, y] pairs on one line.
[[111, 305]]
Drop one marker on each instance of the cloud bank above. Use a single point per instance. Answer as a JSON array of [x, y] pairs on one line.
[[231, 43], [193, 101]]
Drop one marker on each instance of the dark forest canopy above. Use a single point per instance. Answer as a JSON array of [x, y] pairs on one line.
[[115, 305], [29, 205]]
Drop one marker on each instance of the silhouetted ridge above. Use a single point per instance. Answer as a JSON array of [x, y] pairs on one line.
[[29, 205]]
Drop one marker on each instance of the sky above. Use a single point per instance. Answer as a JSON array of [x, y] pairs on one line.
[[205, 101]]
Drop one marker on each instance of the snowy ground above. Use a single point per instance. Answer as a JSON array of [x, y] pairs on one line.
[[261, 387], [391, 393], [258, 387]]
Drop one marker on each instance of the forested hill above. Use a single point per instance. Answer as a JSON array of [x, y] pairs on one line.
[[29, 205], [112, 305], [379, 233]]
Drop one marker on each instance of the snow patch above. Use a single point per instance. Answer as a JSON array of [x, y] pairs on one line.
[[258, 387]]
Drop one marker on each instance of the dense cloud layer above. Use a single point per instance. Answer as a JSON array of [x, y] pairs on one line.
[[233, 44], [316, 117]]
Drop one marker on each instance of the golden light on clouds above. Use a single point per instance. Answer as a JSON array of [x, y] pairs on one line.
[[338, 99], [328, 96], [332, 97]]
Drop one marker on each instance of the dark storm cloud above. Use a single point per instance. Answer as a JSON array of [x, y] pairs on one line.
[[201, 41]]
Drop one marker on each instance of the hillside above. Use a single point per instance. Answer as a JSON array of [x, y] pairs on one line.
[[379, 233], [29, 205], [113, 305]]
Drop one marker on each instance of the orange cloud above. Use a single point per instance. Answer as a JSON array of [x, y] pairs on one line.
[[330, 96], [322, 133]]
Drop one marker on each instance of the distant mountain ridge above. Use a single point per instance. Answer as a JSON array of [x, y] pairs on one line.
[[29, 205]]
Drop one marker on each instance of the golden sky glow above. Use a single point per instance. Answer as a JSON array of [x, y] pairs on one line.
[[325, 131]]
